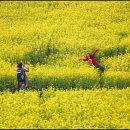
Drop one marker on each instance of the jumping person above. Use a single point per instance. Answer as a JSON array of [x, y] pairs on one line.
[[92, 61], [21, 76], [90, 58]]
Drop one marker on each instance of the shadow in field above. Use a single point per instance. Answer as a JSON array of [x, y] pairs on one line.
[[38, 83], [8, 82], [62, 82], [116, 49], [65, 83], [41, 54]]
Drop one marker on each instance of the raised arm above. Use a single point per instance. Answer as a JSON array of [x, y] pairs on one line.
[[93, 54], [26, 68]]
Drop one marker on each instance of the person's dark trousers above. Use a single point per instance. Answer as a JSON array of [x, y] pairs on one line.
[[101, 70], [100, 67]]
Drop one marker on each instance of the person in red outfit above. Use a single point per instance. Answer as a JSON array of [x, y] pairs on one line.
[[92, 61]]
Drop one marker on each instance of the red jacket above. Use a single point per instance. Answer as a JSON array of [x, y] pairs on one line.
[[91, 60]]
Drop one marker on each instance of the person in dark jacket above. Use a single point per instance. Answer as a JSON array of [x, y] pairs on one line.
[[22, 79]]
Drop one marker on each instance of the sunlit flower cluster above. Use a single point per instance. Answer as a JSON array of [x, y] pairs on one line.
[[109, 109]]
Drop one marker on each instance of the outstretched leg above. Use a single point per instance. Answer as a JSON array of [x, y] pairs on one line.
[[101, 71], [26, 83], [101, 80]]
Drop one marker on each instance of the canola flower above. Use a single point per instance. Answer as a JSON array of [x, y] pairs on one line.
[[95, 109], [50, 36]]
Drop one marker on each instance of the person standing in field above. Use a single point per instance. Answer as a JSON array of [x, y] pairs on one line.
[[22, 79], [90, 58]]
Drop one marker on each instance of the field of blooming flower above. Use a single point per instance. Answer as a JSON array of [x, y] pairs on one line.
[[50, 36], [108, 109]]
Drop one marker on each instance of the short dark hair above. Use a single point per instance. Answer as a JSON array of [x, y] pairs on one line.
[[89, 55], [19, 65]]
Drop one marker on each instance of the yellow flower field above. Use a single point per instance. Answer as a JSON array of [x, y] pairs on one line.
[[50, 37], [105, 109]]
